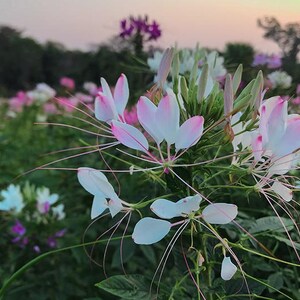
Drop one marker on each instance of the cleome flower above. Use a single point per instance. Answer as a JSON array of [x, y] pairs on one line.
[[110, 107], [162, 124], [150, 230], [45, 200], [12, 199], [96, 183]]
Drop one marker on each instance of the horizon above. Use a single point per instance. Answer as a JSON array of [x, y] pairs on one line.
[[83, 24]]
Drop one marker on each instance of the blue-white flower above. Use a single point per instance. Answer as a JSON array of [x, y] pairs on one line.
[[13, 199], [58, 211], [96, 183], [150, 230]]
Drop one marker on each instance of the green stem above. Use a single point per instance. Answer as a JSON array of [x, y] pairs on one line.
[[209, 273], [263, 255], [34, 261]]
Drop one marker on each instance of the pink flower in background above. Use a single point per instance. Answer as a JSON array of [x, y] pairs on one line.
[[68, 104], [84, 97], [296, 100], [92, 88], [67, 82], [21, 99], [130, 116], [50, 109], [298, 89]]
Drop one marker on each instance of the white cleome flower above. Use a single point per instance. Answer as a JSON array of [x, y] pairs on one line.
[[45, 200], [280, 79], [42, 92], [13, 199]]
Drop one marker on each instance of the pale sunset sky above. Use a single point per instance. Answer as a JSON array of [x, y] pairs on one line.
[[212, 23]]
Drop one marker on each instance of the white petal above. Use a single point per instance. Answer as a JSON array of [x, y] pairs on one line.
[[115, 206], [167, 118], [189, 133], [121, 94], [284, 192], [228, 269], [99, 206], [283, 164], [165, 209], [219, 213], [188, 205], [105, 109], [95, 182], [146, 111], [106, 89], [149, 231], [129, 136]]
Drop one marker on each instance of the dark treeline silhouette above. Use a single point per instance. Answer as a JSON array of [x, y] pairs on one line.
[[25, 62], [288, 39]]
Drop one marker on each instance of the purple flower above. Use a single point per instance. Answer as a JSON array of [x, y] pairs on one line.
[[51, 242], [274, 61], [36, 249], [140, 25], [18, 228], [154, 31], [260, 59], [60, 233]]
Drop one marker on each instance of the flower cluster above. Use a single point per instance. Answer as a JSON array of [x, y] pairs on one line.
[[53, 101], [27, 211], [271, 61], [197, 139], [140, 25]]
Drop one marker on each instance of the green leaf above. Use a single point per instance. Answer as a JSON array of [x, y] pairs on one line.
[[275, 280], [237, 77], [288, 242], [149, 254], [128, 251], [132, 287], [272, 224]]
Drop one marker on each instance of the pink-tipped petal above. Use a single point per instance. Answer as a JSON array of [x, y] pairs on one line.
[[146, 111], [148, 231], [284, 192], [99, 206], [257, 147], [290, 141], [121, 94], [165, 209], [228, 269], [219, 213], [276, 125], [104, 108], [263, 125], [129, 136], [167, 118], [106, 89], [189, 133]]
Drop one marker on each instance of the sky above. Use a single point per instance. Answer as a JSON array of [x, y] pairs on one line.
[[78, 24]]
